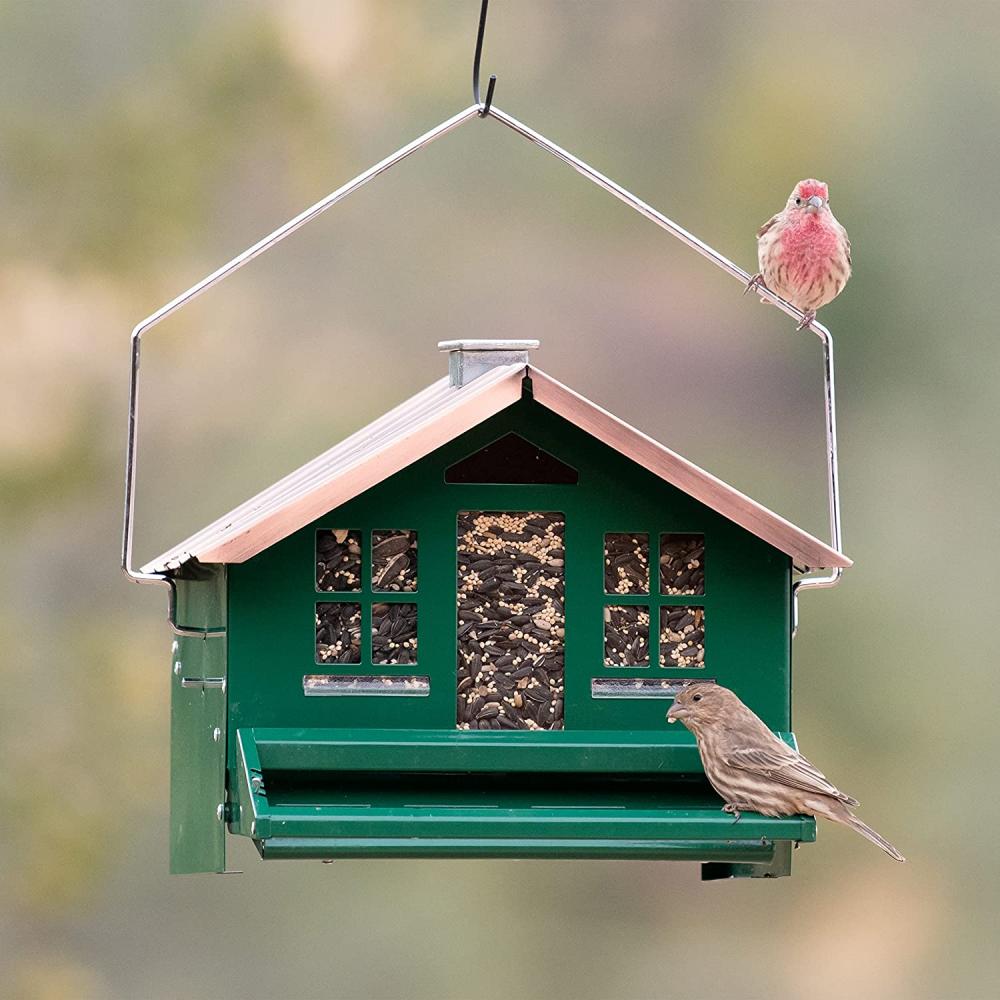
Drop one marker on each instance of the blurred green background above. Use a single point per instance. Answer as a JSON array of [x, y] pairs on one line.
[[142, 144]]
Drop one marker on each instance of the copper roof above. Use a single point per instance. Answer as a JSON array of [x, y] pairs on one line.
[[436, 416]]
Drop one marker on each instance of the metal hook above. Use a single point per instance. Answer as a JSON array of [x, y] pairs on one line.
[[485, 108]]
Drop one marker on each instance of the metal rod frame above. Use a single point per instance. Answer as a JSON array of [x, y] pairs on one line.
[[476, 110]]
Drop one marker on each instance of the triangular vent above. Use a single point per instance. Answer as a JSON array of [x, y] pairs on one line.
[[511, 459]]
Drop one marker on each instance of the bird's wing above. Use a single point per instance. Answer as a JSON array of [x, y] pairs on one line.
[[784, 765], [847, 245], [767, 225]]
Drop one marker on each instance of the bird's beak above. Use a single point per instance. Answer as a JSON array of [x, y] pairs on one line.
[[814, 204], [676, 712]]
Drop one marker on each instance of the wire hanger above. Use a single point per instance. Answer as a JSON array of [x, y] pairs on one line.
[[485, 108], [478, 109]]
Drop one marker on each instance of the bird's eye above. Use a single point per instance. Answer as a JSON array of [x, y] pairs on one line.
[[798, 201], [697, 697]]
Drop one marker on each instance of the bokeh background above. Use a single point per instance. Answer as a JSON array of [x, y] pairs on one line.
[[142, 144]]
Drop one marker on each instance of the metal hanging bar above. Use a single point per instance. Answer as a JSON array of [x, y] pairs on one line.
[[476, 110], [261, 246]]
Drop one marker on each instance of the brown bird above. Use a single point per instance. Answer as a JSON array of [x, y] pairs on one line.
[[755, 771]]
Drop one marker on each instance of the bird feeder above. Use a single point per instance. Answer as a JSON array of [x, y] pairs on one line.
[[457, 632]]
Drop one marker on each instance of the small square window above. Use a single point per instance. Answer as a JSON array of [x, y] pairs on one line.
[[682, 564], [626, 563], [338, 633], [338, 560], [682, 637], [394, 561], [394, 633], [626, 636]]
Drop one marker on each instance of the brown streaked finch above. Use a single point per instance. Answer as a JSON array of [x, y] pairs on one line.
[[755, 771], [803, 252]]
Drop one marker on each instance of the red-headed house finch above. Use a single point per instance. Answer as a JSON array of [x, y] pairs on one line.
[[803, 252], [755, 771]]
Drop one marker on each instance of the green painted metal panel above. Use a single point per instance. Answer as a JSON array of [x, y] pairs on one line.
[[273, 595], [197, 752]]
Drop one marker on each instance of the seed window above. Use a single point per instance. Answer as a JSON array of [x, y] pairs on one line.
[[511, 620], [637, 633], [626, 563], [626, 636], [338, 633], [682, 637], [338, 560], [394, 561], [682, 564], [394, 633]]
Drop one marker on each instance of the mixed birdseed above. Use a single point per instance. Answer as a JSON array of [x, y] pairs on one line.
[[682, 637], [682, 564], [394, 633], [394, 560], [338, 633], [338, 560], [626, 636], [626, 563], [511, 620]]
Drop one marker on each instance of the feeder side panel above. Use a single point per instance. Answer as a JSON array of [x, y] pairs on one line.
[[197, 710]]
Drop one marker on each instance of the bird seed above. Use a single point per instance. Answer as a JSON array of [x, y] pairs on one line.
[[338, 633], [511, 620]]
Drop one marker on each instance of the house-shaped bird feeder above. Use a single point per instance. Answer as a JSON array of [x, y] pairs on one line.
[[457, 633]]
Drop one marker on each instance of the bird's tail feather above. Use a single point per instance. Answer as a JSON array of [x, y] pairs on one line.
[[876, 838]]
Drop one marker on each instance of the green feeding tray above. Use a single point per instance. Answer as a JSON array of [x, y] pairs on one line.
[[391, 793]]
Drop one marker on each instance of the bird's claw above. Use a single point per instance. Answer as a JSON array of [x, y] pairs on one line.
[[731, 807], [807, 317], [754, 283]]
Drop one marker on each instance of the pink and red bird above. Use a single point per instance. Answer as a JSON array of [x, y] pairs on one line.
[[803, 251]]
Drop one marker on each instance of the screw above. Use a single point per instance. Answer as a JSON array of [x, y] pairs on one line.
[[216, 734]]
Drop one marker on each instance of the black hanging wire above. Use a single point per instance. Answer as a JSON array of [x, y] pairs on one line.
[[485, 109]]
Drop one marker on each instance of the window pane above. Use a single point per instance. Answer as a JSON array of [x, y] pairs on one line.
[[682, 637], [394, 633], [511, 622], [626, 563], [682, 564], [394, 560], [338, 560], [338, 633], [626, 636]]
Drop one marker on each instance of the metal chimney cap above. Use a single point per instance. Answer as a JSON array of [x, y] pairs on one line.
[[488, 345], [468, 359]]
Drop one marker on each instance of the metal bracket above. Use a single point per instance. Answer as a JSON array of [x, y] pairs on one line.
[[204, 683]]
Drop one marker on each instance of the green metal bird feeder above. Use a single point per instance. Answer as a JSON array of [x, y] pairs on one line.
[[457, 632]]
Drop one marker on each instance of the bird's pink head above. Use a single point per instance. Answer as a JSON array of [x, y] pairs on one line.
[[809, 196]]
